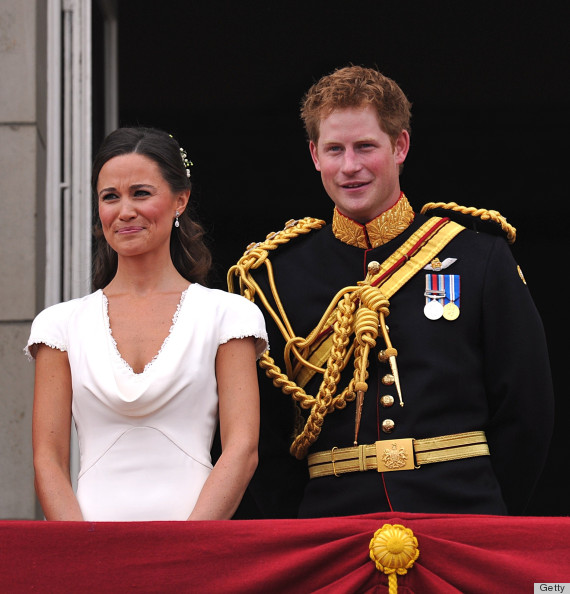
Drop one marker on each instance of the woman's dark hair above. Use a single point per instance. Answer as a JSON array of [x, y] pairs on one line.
[[188, 250]]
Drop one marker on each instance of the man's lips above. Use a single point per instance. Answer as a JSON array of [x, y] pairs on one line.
[[354, 185]]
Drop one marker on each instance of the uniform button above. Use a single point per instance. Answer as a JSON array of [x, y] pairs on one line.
[[387, 400], [373, 267], [388, 425], [388, 379]]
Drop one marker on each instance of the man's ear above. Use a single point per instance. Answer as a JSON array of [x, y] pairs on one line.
[[401, 147], [314, 155]]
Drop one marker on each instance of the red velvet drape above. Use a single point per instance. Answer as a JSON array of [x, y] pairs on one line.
[[479, 554]]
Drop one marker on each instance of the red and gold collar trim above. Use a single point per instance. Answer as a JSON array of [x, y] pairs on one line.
[[376, 232]]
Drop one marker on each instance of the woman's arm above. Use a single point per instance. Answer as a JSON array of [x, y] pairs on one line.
[[239, 431], [51, 430]]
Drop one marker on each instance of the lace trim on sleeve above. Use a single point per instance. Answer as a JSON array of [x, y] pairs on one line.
[[261, 340], [31, 349]]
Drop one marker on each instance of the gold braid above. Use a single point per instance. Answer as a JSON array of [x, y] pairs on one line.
[[371, 308], [482, 213]]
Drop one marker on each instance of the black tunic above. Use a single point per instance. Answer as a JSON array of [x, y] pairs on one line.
[[487, 370]]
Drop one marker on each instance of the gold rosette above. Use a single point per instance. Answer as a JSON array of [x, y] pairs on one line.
[[394, 548]]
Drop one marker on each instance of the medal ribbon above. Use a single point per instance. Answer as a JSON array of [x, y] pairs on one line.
[[452, 288], [435, 288]]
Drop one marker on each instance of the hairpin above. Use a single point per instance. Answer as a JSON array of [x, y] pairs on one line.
[[186, 161]]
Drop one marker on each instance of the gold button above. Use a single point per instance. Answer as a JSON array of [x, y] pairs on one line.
[[388, 379], [373, 267], [388, 425], [387, 400]]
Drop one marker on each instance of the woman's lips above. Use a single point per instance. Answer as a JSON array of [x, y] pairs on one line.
[[127, 230]]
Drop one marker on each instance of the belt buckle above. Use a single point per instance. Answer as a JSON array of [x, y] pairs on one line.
[[395, 454]]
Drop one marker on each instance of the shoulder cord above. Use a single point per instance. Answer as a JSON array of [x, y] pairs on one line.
[[482, 213], [340, 314]]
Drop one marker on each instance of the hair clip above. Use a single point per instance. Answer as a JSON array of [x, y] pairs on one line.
[[186, 161]]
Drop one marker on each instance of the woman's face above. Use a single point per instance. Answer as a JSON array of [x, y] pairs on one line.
[[137, 207]]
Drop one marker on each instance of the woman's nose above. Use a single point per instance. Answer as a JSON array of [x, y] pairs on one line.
[[127, 210]]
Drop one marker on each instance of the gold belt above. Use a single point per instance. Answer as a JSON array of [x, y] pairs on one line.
[[398, 454]]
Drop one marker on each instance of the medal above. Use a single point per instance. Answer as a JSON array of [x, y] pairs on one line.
[[442, 296], [450, 311], [433, 310], [434, 294], [451, 308]]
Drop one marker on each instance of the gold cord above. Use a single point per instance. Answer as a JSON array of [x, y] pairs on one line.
[[482, 213], [357, 309], [360, 310]]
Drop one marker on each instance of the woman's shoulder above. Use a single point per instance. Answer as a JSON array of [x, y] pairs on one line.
[[234, 315], [51, 325], [65, 309], [221, 298]]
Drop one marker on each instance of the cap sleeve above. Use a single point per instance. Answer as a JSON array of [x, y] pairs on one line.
[[242, 319], [49, 328]]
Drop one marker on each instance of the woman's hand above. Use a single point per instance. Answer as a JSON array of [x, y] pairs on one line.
[[51, 432]]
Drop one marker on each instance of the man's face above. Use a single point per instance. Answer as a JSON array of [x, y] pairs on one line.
[[358, 164]]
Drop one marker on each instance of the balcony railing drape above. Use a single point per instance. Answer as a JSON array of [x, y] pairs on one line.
[[479, 554]]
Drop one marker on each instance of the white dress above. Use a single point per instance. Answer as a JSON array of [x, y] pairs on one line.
[[145, 439]]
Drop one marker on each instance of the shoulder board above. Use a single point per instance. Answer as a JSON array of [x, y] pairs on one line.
[[480, 219]]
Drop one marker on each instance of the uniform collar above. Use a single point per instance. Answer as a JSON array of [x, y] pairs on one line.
[[376, 232]]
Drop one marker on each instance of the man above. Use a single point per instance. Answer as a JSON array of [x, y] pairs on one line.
[[408, 368]]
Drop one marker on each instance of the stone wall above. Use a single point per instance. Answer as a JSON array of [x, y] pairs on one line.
[[22, 181]]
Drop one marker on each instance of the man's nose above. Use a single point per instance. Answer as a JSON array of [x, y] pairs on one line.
[[351, 161]]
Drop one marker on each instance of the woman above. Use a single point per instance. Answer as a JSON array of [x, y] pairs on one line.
[[150, 361]]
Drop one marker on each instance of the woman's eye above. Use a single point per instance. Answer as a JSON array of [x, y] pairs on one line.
[[141, 193], [109, 197]]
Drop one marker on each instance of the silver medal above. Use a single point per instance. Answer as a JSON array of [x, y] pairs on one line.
[[433, 310]]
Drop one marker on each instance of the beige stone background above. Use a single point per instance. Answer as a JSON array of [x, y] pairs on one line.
[[22, 150]]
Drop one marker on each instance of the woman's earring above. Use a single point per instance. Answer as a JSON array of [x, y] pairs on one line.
[[176, 221]]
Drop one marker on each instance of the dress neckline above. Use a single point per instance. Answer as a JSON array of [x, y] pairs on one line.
[[149, 365]]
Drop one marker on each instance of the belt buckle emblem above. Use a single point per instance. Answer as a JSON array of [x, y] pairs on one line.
[[395, 454]]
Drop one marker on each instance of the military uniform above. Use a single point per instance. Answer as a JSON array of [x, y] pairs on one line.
[[484, 370]]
